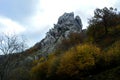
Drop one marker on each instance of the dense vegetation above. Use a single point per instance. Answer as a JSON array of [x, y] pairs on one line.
[[93, 52]]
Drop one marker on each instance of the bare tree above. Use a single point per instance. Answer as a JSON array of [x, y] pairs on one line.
[[9, 45]]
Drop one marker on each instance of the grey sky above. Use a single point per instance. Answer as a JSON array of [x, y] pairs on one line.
[[33, 18]]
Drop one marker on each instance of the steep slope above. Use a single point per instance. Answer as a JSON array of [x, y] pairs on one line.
[[90, 62], [66, 24]]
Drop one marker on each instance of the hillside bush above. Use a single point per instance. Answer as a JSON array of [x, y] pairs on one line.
[[19, 73], [112, 56], [53, 64], [79, 61], [39, 71], [43, 70], [72, 40]]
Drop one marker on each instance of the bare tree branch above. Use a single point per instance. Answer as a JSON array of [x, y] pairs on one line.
[[9, 44]]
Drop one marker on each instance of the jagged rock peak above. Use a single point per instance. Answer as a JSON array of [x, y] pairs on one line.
[[66, 24], [68, 18]]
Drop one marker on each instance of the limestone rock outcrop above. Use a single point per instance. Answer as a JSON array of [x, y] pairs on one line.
[[66, 24]]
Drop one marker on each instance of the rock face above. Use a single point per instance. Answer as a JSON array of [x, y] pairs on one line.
[[66, 24]]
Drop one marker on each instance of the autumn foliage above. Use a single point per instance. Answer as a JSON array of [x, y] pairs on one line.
[[75, 62], [83, 55]]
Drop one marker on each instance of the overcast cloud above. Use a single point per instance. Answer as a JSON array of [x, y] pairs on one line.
[[33, 18]]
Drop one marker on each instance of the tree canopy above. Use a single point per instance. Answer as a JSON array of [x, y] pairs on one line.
[[102, 21]]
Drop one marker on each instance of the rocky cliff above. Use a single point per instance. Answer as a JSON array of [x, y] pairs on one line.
[[67, 23]]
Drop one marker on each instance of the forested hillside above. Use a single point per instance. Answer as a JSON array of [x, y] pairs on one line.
[[67, 53], [92, 54]]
